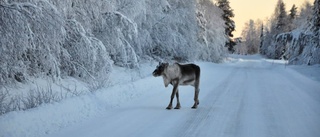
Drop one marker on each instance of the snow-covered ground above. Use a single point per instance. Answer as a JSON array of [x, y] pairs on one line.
[[248, 96]]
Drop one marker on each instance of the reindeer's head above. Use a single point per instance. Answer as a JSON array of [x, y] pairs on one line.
[[160, 68]]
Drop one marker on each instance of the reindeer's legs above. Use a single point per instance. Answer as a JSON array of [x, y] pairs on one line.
[[171, 99], [178, 102], [196, 100], [174, 91]]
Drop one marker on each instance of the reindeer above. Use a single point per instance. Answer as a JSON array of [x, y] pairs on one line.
[[178, 74]]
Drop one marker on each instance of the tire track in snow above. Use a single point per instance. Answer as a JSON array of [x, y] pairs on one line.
[[293, 107], [227, 119], [204, 115]]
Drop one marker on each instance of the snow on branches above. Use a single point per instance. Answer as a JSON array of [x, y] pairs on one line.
[[84, 38]]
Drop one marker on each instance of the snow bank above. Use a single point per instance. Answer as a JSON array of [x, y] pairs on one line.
[[52, 117]]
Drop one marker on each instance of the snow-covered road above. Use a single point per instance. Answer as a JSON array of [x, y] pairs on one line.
[[247, 97]]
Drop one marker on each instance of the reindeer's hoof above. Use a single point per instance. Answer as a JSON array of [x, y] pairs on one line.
[[177, 106], [194, 107], [169, 108]]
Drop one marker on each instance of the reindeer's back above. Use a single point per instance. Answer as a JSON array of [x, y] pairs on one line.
[[189, 69]]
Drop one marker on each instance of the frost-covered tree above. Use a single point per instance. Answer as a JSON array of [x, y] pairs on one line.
[[88, 57], [315, 48], [304, 16], [239, 49], [293, 12], [37, 40], [301, 45], [267, 38], [316, 19], [250, 35], [84, 38], [227, 16], [31, 36], [169, 31], [280, 16], [278, 24], [291, 17], [211, 33], [262, 37]]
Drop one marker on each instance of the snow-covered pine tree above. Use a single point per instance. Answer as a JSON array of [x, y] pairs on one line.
[[279, 23], [261, 38], [315, 52], [281, 17], [291, 17], [303, 18], [316, 18], [264, 48], [227, 16]]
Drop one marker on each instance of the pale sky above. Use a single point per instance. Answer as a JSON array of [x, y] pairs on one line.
[[245, 10]]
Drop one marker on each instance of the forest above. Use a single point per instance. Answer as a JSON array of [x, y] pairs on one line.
[[292, 35], [86, 38]]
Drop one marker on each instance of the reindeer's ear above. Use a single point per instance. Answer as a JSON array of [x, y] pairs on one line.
[[166, 64]]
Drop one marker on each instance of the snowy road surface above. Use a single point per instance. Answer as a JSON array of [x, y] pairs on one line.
[[248, 97]]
